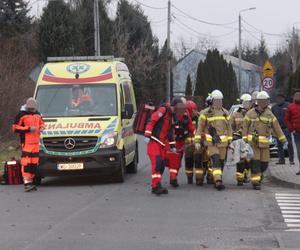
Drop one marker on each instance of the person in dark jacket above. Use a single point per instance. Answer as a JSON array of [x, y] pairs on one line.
[[279, 110], [292, 121]]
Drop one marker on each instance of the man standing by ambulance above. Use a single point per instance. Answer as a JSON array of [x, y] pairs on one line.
[[214, 127], [159, 132], [29, 124]]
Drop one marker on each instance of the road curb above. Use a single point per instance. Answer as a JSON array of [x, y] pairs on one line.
[[281, 182]]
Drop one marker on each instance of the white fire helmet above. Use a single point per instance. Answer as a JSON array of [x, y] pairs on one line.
[[263, 95], [216, 94], [246, 98], [254, 95]]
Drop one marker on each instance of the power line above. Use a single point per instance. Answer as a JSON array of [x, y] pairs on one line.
[[202, 34], [261, 31], [150, 7], [202, 21]]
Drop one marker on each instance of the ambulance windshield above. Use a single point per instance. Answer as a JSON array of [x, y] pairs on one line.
[[77, 100]]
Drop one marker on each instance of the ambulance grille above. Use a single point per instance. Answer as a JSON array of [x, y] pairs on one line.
[[64, 144]]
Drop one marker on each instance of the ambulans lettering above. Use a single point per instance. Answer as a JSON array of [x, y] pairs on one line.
[[80, 125]]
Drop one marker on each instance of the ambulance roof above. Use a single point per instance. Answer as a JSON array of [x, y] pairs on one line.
[[82, 72]]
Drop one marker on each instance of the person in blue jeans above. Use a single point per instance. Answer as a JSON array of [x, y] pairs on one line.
[[292, 121], [279, 110]]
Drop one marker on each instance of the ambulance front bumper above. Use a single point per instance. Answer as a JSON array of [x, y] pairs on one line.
[[104, 160]]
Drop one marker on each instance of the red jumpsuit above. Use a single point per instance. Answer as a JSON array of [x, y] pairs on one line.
[[30, 142], [182, 129], [159, 130]]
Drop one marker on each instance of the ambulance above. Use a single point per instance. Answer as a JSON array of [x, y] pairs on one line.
[[88, 106]]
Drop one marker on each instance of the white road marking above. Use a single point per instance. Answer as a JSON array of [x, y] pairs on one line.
[[290, 208], [293, 225], [289, 205], [292, 220], [293, 230], [288, 198], [279, 194], [290, 216], [291, 200]]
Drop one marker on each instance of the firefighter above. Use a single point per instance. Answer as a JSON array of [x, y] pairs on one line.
[[159, 134], [189, 149], [183, 128], [29, 124], [258, 125], [237, 118], [214, 127]]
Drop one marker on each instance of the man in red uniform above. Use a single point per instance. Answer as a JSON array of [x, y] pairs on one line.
[[160, 133], [292, 121], [29, 124], [183, 127]]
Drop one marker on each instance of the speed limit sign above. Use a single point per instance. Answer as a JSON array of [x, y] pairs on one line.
[[268, 83]]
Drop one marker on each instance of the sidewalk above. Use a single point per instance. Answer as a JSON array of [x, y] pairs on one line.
[[284, 175]]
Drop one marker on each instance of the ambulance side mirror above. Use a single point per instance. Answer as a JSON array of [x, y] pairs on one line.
[[128, 113]]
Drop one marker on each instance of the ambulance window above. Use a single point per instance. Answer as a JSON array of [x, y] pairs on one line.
[[127, 93], [122, 100]]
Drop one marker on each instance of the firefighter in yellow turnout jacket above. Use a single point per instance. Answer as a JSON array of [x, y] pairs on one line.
[[258, 125], [237, 119], [214, 127]]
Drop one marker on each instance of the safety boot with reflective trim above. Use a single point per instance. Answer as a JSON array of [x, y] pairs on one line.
[[158, 190], [219, 185], [199, 182], [174, 183]]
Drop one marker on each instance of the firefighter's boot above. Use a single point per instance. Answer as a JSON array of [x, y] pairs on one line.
[[219, 185], [174, 183], [158, 190]]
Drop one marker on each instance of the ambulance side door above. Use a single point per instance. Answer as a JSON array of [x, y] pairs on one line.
[[127, 122]]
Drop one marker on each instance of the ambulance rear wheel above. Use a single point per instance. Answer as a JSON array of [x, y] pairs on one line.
[[120, 174]]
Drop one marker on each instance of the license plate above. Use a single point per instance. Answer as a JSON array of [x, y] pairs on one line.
[[70, 166]]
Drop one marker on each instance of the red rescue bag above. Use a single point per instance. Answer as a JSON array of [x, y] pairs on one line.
[[142, 117], [13, 173], [173, 160]]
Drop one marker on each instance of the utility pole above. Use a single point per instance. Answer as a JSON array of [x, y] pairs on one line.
[[240, 53], [294, 54], [96, 28], [240, 48], [168, 94]]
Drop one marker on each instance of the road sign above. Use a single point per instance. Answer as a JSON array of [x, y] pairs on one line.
[[268, 83], [268, 70]]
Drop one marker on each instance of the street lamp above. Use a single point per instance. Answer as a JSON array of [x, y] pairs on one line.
[[240, 45]]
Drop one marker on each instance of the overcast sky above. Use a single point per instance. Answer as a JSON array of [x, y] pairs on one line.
[[275, 18]]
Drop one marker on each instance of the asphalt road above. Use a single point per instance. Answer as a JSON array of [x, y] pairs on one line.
[[92, 213]]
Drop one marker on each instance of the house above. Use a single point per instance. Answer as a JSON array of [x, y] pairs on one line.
[[250, 78]]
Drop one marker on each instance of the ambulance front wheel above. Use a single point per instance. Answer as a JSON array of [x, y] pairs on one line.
[[120, 174], [132, 168]]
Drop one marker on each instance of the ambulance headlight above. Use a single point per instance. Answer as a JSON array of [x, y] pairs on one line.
[[109, 140]]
